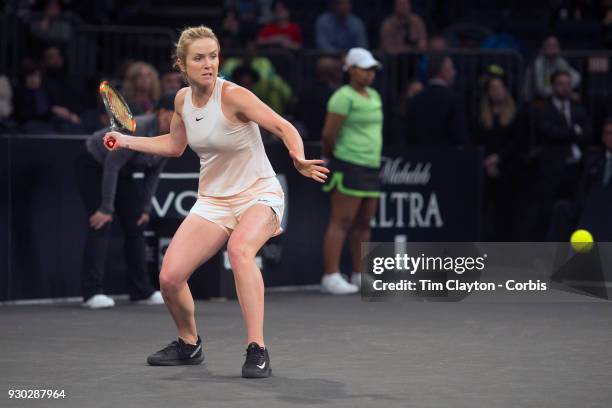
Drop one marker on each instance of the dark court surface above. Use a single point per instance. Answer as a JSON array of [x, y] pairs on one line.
[[325, 352]]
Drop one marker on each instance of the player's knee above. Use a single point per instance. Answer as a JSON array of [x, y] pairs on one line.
[[169, 282], [239, 252]]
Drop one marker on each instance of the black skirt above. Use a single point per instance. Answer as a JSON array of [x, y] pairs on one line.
[[352, 179]]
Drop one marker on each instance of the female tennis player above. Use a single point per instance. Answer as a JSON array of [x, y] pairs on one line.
[[239, 197]]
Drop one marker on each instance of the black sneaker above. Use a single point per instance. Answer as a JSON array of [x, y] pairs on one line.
[[178, 353], [257, 364]]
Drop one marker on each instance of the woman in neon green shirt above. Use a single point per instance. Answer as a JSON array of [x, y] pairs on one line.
[[352, 137]]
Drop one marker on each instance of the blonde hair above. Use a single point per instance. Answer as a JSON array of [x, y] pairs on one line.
[[507, 111], [188, 36], [129, 83]]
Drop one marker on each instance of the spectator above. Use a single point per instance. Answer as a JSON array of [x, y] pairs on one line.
[[141, 88], [413, 89], [252, 12], [312, 106], [231, 30], [282, 32], [537, 77], [403, 30], [410, 90], [274, 91], [590, 209], [34, 108], [53, 25], [599, 166], [498, 131], [436, 116], [250, 57], [107, 188], [170, 81], [63, 89], [246, 77], [437, 43], [352, 138], [564, 128], [502, 37], [271, 87], [338, 29]]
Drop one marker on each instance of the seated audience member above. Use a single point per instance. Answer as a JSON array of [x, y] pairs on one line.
[[339, 29], [282, 32], [34, 108], [251, 12], [538, 75], [498, 131], [251, 58], [65, 90], [245, 76], [141, 88], [403, 30], [231, 30], [53, 25], [270, 87], [274, 91], [436, 116]]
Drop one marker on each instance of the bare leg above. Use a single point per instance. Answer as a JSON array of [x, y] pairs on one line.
[[255, 227], [343, 212], [361, 231], [195, 241]]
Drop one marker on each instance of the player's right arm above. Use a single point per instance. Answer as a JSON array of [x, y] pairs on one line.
[[172, 144]]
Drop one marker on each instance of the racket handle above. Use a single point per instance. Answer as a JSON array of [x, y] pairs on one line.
[[110, 143]]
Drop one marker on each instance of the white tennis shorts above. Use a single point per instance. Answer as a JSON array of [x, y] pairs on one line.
[[226, 211]]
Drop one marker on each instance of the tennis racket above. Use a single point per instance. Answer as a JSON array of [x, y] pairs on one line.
[[118, 111]]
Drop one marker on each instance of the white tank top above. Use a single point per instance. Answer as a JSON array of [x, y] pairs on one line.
[[232, 155]]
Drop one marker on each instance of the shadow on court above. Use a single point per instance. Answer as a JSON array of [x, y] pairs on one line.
[[290, 390]]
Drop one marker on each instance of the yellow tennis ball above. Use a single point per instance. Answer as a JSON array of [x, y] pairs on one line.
[[582, 240]]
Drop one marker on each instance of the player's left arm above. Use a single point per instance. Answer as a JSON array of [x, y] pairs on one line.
[[248, 107]]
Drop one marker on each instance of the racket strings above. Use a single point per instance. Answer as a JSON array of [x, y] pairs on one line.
[[119, 109]]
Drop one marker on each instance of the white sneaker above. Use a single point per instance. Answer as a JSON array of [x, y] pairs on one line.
[[99, 302], [155, 299], [335, 284]]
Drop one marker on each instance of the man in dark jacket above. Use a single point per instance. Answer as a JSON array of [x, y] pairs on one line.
[[108, 188], [435, 116], [590, 209], [564, 130]]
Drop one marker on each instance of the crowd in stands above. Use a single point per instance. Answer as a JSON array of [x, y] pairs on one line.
[[539, 139]]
